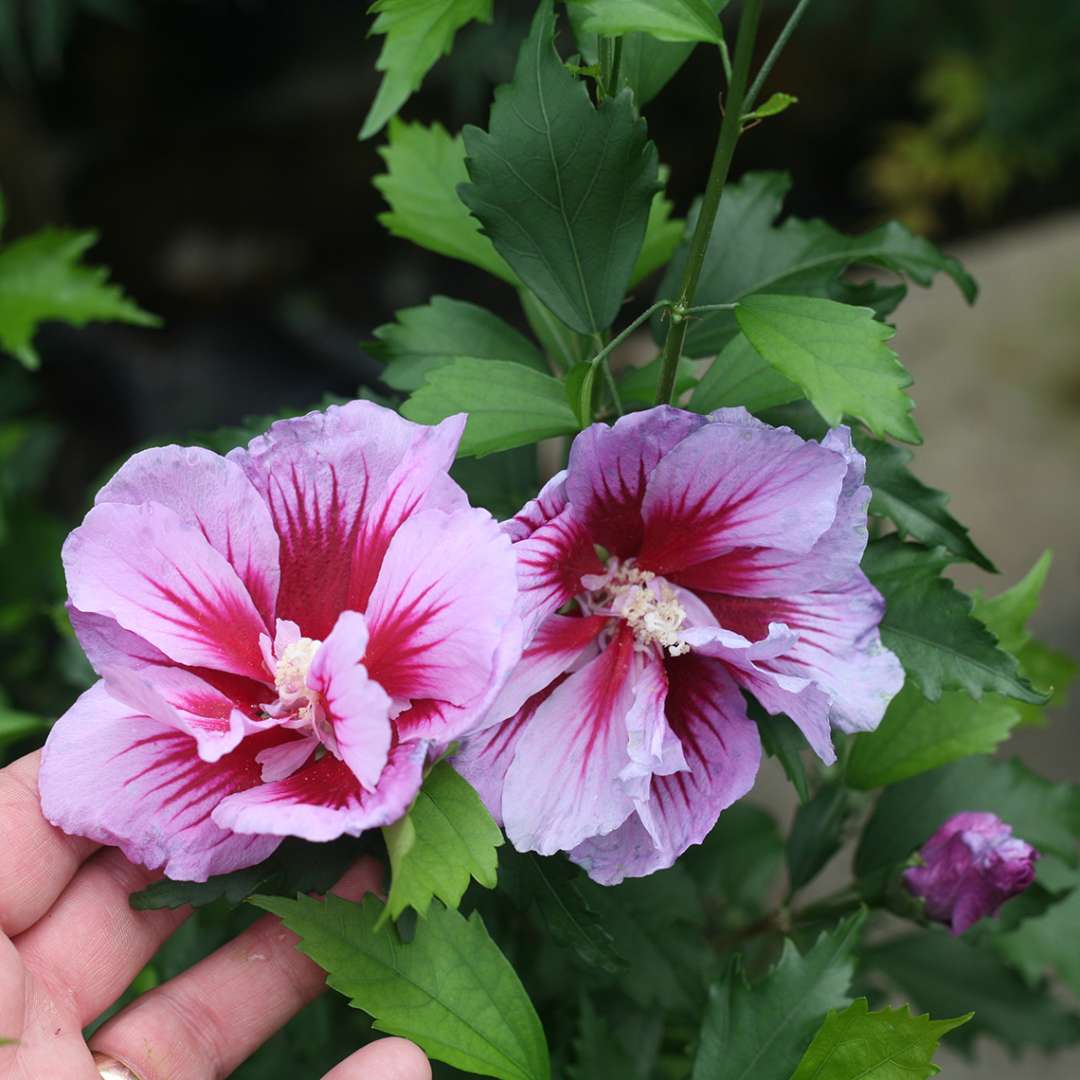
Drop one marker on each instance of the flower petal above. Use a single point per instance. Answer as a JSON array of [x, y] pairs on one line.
[[128, 780], [610, 469], [324, 800], [733, 483], [442, 608], [354, 707], [160, 579], [549, 504], [564, 783], [708, 716], [213, 495]]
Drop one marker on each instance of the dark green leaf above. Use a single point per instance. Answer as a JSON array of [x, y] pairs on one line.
[[662, 234], [760, 1032], [857, 1044], [564, 201], [916, 510], [424, 168], [297, 866], [748, 253], [816, 833], [1045, 942], [508, 405], [432, 336], [739, 376], [785, 742], [666, 20], [564, 346], [837, 354], [943, 974], [917, 735], [15, 725], [597, 1056], [581, 391], [908, 813], [450, 989], [417, 33], [446, 837], [42, 278], [929, 625], [637, 385], [501, 483]]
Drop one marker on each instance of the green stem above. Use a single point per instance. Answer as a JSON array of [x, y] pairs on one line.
[[774, 53], [710, 203], [699, 309], [613, 390], [616, 63]]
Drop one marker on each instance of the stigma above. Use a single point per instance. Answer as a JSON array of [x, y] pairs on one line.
[[291, 673], [648, 603]]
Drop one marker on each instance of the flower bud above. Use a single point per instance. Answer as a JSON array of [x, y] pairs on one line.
[[971, 866]]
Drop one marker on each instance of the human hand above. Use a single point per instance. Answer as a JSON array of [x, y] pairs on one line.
[[70, 944]]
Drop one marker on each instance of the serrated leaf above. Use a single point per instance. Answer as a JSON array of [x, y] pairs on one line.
[[917, 735], [508, 405], [562, 345], [916, 510], [773, 106], [446, 838], [432, 336], [297, 866], [816, 833], [739, 376], [782, 740], [562, 188], [42, 278], [857, 1044], [909, 813], [15, 725], [424, 167], [748, 253], [943, 974], [662, 233], [417, 33], [1046, 942], [450, 989], [666, 20], [929, 625], [837, 354], [637, 385], [760, 1032], [597, 1056]]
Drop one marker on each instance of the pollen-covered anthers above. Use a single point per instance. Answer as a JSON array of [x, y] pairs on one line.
[[290, 679], [648, 603]]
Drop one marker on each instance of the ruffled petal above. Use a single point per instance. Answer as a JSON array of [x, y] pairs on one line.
[[324, 800], [161, 580], [735, 483], [708, 716], [125, 779], [354, 707], [549, 504], [213, 495], [610, 468], [442, 608]]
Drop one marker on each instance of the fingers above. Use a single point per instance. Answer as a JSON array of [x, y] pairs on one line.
[[91, 944], [387, 1059], [38, 859], [205, 1022]]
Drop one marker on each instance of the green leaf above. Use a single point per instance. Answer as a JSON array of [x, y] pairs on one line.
[[446, 837], [776, 104], [916, 510], [662, 233], [562, 345], [929, 625], [837, 354], [432, 336], [562, 188], [1046, 942], [424, 167], [417, 33], [943, 974], [782, 740], [816, 833], [760, 1032], [597, 1056], [450, 989], [42, 278], [917, 735], [637, 385], [297, 866], [666, 20], [508, 405], [908, 813], [857, 1044], [739, 376], [501, 483], [553, 887], [748, 253], [15, 725]]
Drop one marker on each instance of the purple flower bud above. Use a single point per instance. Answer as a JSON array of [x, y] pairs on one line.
[[971, 866]]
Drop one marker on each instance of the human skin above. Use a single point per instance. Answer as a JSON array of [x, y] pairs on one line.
[[70, 944]]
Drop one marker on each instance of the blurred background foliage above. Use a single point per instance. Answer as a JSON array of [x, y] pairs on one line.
[[213, 145]]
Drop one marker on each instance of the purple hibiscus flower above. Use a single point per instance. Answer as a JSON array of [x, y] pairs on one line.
[[971, 866], [678, 560], [281, 634]]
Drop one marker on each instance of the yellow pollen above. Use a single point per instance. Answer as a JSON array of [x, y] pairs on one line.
[[651, 608]]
